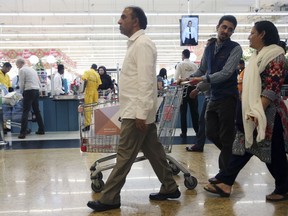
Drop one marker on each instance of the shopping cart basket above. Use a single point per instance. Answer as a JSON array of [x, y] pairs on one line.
[[106, 140]]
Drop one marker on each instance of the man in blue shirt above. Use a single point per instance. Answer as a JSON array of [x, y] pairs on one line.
[[218, 67]]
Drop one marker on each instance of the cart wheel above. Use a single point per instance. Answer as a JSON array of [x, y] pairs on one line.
[[175, 169], [97, 176], [190, 182], [97, 185]]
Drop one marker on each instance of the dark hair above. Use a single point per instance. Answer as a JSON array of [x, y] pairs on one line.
[[104, 68], [163, 73], [241, 61], [7, 64], [271, 33], [94, 66], [228, 18], [186, 53], [283, 45], [60, 67], [138, 12]]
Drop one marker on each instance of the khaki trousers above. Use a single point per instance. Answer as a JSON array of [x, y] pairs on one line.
[[131, 141]]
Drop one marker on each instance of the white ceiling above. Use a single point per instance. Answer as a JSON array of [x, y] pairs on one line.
[[87, 37]]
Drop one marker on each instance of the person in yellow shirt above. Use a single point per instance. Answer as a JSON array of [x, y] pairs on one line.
[[91, 83], [4, 77]]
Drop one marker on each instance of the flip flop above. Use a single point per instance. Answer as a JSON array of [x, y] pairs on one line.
[[217, 190], [273, 197]]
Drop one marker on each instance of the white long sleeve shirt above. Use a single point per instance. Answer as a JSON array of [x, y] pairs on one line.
[[58, 87], [138, 83], [189, 31], [28, 79], [184, 69]]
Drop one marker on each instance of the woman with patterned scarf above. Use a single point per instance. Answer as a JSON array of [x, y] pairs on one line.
[[265, 116]]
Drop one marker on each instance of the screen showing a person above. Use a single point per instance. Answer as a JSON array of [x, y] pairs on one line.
[[189, 30]]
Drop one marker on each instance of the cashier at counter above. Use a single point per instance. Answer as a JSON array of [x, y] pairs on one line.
[[58, 81]]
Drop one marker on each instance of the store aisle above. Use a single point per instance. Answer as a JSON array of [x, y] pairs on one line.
[[52, 182]]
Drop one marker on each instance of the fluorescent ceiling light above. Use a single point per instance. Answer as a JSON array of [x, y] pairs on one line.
[[2, 25], [105, 34], [149, 14]]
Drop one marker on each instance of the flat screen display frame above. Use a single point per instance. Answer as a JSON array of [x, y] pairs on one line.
[[185, 21]]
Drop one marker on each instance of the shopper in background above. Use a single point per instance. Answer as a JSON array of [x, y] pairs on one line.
[[283, 44], [91, 83], [58, 80], [218, 67], [264, 114], [48, 85], [138, 102], [241, 69], [183, 71], [106, 80], [4, 77], [29, 85], [161, 77], [5, 86], [201, 135]]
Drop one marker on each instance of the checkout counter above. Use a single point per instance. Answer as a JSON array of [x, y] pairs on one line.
[[59, 113]]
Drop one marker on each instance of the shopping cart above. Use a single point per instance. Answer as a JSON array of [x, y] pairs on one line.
[[12, 108], [105, 140], [12, 116]]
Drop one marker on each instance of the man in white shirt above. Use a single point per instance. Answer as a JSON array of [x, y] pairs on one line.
[[189, 35], [183, 71], [29, 85], [138, 106], [58, 83]]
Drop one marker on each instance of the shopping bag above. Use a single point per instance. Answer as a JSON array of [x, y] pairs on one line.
[[12, 98]]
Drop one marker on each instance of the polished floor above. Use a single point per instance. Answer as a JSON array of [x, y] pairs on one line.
[[56, 181]]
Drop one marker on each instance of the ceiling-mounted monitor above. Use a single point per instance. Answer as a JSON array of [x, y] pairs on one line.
[[189, 30]]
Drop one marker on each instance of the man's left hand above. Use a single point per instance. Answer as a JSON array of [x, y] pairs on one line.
[[195, 80], [141, 124]]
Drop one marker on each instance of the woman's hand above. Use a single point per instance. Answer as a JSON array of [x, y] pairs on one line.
[[254, 119]]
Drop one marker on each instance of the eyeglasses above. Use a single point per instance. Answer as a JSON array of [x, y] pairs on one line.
[[224, 27]]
